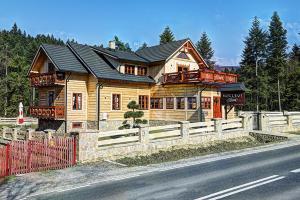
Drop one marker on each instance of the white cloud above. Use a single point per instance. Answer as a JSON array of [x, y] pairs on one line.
[[227, 61]]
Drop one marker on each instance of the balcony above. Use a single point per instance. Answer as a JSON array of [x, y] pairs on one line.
[[47, 112], [198, 76], [47, 79]]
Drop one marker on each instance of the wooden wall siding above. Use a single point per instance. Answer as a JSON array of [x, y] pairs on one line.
[[92, 99], [59, 96], [77, 84], [183, 90], [128, 91], [40, 65], [171, 64]]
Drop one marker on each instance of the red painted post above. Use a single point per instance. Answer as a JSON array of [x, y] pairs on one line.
[[7, 159], [74, 150]]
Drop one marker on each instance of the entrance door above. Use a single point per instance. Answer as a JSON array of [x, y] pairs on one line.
[[217, 109]]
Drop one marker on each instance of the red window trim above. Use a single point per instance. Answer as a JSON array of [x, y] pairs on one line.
[[170, 104], [114, 107], [206, 102], [78, 105], [144, 102], [129, 69], [156, 103]]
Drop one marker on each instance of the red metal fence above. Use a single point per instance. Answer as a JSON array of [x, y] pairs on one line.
[[19, 157]]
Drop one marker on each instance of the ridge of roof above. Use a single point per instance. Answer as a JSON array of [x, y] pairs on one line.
[[160, 52]]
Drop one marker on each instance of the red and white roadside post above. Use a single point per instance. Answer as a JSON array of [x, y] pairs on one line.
[[21, 117]]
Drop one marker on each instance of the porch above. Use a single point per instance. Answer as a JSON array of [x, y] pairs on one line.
[[46, 79], [47, 112]]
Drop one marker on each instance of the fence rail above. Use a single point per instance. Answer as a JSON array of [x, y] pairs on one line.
[[13, 121]]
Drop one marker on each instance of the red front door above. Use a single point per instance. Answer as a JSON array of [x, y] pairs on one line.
[[217, 109]]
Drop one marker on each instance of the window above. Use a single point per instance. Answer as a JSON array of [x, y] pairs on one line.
[[141, 71], [206, 102], [169, 103], [156, 103], [192, 103], [182, 68], [77, 101], [51, 98], [129, 69], [116, 101], [180, 103], [182, 55], [51, 68], [77, 125], [143, 102]]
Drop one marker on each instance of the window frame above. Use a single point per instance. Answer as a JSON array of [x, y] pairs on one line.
[[159, 103], [191, 103], [48, 97], [146, 104], [205, 102], [78, 105], [120, 102], [173, 103], [130, 71], [141, 69], [180, 103]]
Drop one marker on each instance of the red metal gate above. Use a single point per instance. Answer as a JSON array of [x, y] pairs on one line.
[[19, 157]]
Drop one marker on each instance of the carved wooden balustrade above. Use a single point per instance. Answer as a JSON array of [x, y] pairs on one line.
[[47, 112], [47, 79], [200, 76]]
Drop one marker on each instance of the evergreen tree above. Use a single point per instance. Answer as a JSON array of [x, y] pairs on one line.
[[17, 50], [144, 45], [121, 45], [277, 60], [135, 114], [205, 50], [166, 36], [255, 49]]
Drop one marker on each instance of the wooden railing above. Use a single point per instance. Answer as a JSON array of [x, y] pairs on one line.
[[200, 76], [48, 112], [47, 79]]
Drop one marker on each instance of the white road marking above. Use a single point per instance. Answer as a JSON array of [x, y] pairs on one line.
[[296, 170], [250, 184]]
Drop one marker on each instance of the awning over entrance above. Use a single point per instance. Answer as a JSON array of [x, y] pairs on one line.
[[233, 87]]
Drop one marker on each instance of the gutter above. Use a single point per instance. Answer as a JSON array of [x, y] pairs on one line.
[[99, 86], [66, 102]]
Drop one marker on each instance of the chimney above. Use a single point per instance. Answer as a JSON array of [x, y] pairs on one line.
[[112, 44]]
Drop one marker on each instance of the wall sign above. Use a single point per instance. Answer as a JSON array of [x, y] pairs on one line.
[[235, 98]]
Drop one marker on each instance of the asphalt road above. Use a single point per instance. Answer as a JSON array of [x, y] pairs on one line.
[[267, 175]]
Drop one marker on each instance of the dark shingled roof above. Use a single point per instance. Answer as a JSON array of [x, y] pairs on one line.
[[100, 68], [233, 87], [63, 58], [160, 52], [122, 55]]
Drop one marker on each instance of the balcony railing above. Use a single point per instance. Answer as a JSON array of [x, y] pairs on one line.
[[195, 76], [47, 79], [47, 112]]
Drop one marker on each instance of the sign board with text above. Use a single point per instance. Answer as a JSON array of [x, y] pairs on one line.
[[233, 98]]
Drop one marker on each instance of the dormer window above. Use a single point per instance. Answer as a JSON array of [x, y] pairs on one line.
[[141, 71], [183, 55], [129, 69]]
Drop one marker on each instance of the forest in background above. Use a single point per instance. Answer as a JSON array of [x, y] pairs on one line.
[[266, 48]]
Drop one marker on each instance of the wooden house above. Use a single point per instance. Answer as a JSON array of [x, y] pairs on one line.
[[84, 87]]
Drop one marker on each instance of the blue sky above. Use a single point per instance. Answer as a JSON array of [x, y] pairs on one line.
[[136, 21]]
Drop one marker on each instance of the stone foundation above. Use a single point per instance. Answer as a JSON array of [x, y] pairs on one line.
[[57, 125]]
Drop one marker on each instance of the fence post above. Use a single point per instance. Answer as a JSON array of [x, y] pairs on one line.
[[15, 133], [74, 150], [289, 118], [4, 131], [29, 134], [264, 122], [144, 134], [247, 122], [218, 127], [184, 130], [88, 145]]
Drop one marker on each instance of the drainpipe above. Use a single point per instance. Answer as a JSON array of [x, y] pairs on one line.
[[99, 86], [66, 103]]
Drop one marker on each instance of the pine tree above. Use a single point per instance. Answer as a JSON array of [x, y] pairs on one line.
[[205, 49], [144, 45], [121, 45], [255, 48], [166, 36], [277, 59]]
